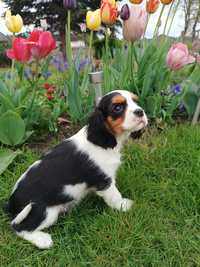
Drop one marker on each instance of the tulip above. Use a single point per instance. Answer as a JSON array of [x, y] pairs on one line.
[[13, 23], [152, 6], [111, 2], [178, 56], [166, 2], [108, 12], [41, 43], [70, 4], [93, 20], [125, 12], [134, 27], [137, 2], [20, 50]]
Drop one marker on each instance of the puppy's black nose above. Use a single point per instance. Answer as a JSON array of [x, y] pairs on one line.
[[139, 112]]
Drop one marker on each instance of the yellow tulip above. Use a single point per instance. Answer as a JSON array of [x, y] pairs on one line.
[[13, 23], [93, 20]]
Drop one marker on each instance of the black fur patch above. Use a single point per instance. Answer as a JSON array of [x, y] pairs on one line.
[[98, 134], [44, 183]]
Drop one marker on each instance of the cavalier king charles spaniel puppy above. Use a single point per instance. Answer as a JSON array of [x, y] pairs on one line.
[[86, 162]]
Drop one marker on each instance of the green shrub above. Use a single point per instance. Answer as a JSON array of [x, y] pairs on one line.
[[4, 60]]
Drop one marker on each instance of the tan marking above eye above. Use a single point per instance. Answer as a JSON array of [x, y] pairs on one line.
[[118, 99], [134, 97]]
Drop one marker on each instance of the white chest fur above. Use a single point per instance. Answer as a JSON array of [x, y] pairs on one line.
[[108, 160]]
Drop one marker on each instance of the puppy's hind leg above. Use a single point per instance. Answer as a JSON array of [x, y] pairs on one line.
[[38, 238], [30, 228]]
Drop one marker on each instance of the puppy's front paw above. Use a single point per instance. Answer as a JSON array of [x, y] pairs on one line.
[[126, 204]]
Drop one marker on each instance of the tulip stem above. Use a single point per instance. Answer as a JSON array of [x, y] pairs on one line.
[[107, 44], [132, 47], [13, 62], [156, 32], [167, 19], [68, 39], [147, 22], [90, 47], [172, 20]]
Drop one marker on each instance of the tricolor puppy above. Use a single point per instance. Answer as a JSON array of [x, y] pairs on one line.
[[86, 162]]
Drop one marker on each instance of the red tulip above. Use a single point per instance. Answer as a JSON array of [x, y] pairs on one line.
[[41, 43], [20, 50], [152, 6]]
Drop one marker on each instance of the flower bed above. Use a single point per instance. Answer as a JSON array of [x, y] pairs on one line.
[[45, 88]]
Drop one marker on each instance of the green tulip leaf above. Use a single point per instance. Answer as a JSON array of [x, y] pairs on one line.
[[6, 158], [12, 128], [190, 100]]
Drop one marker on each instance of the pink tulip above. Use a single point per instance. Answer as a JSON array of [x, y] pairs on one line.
[[178, 56], [41, 43], [134, 26], [20, 50]]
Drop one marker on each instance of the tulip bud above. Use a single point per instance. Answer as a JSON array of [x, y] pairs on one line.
[[152, 6], [93, 20], [13, 23], [178, 56], [166, 2], [134, 27], [111, 2], [69, 4], [125, 12], [137, 2], [20, 50], [108, 12]]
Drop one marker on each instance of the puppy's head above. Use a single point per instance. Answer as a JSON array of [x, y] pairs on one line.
[[116, 113]]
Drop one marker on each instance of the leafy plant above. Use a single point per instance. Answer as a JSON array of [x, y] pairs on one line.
[[6, 158], [12, 128]]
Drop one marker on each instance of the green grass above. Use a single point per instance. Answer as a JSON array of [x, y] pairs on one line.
[[162, 174]]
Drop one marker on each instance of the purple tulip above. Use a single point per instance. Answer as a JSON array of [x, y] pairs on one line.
[[125, 12], [70, 4]]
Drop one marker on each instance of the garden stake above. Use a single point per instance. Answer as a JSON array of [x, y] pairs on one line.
[[196, 114], [68, 40], [96, 80]]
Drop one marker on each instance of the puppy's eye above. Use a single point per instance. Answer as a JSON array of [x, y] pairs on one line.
[[118, 108]]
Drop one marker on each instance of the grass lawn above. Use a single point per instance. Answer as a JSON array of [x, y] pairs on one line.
[[162, 174]]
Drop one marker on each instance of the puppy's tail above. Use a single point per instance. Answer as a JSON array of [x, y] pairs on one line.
[[22, 215]]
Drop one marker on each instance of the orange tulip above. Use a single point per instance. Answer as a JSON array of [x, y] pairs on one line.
[[152, 6], [108, 11], [166, 2], [137, 2]]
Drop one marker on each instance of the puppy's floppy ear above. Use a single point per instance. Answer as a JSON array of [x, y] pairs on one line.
[[97, 133]]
